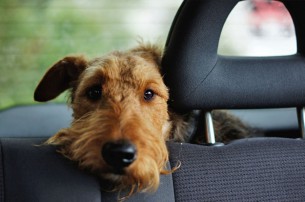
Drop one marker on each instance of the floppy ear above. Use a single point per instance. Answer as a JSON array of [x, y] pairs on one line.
[[150, 52], [59, 78]]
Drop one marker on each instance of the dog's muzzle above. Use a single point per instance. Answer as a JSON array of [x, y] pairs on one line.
[[119, 154]]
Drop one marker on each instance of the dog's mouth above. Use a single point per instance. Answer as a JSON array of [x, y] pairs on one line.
[[113, 178], [119, 171], [113, 172]]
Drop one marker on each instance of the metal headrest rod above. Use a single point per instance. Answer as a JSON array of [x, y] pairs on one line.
[[209, 130], [301, 118]]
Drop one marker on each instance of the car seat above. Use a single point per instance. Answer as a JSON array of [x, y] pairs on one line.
[[253, 169]]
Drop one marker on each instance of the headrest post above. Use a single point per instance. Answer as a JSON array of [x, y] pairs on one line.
[[209, 128], [209, 131], [301, 117]]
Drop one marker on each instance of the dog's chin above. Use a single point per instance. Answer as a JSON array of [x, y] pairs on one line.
[[116, 176], [112, 181], [112, 178]]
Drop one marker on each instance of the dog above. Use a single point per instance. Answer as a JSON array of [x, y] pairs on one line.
[[121, 119]]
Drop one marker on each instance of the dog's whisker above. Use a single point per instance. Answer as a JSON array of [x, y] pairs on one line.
[[131, 191]]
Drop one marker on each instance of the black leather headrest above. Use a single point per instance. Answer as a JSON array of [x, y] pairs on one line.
[[199, 78]]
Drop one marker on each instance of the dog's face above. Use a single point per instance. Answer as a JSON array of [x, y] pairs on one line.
[[121, 121]]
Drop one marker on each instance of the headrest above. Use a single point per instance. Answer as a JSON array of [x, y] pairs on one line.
[[199, 78]]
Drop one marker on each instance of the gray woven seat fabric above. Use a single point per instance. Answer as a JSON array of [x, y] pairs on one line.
[[258, 169]]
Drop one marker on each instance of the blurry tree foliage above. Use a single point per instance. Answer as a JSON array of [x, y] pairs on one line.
[[34, 34]]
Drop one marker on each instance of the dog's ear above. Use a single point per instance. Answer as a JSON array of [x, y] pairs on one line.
[[152, 52], [60, 78]]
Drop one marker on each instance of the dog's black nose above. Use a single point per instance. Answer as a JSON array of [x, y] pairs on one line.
[[119, 154]]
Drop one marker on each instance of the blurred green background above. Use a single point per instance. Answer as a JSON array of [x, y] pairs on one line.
[[34, 34]]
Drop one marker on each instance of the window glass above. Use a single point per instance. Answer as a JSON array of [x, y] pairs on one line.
[[258, 28], [35, 34]]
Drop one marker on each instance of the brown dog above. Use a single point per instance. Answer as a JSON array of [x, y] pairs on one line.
[[121, 119]]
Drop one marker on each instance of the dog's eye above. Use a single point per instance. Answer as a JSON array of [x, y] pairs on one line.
[[94, 93], [149, 94]]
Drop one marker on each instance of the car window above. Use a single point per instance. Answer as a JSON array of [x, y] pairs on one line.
[[35, 34], [258, 28]]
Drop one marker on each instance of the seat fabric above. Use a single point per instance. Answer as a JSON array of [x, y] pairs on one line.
[[257, 169]]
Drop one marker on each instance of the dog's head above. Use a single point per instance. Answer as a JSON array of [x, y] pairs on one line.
[[121, 121]]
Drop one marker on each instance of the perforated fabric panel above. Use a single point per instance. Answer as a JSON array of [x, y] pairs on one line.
[[248, 170]]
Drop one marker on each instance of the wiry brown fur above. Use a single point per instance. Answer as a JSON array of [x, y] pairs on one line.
[[121, 113]]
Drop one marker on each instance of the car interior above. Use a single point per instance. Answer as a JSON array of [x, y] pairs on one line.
[[266, 92]]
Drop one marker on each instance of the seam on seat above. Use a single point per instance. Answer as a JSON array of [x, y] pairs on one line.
[[202, 81], [169, 167], [174, 159]]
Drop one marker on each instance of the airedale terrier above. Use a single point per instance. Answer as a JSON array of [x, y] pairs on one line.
[[121, 119]]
